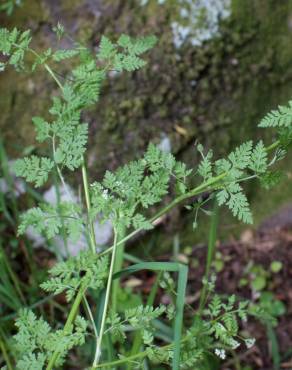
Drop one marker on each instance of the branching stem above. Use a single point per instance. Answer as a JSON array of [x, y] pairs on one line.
[[134, 357], [210, 185], [196, 191]]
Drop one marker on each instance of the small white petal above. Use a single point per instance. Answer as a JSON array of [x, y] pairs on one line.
[[249, 342]]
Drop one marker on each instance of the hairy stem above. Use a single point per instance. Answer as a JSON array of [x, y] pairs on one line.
[[106, 302]]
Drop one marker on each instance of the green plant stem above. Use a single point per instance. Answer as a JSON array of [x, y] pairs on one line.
[[69, 322], [106, 302], [117, 267], [84, 177], [48, 68], [88, 206], [84, 173], [90, 315], [273, 145], [134, 357], [205, 186], [210, 253], [201, 188], [196, 191], [63, 230]]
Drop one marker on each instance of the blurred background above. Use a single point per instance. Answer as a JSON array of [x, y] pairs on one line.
[[218, 67]]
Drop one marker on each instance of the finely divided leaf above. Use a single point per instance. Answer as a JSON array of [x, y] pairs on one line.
[[106, 49], [259, 158], [205, 166], [60, 55], [278, 118], [240, 157], [42, 129], [49, 220], [239, 207], [34, 169], [87, 268]]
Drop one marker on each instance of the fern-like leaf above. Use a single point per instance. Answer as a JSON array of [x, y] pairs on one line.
[[259, 158], [34, 169], [87, 268], [281, 117]]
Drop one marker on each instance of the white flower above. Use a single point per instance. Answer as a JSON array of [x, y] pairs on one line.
[[249, 342], [234, 344], [105, 194], [220, 353]]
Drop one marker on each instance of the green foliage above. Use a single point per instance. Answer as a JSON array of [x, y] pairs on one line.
[[277, 118], [42, 129], [217, 330], [270, 179], [81, 90], [285, 137], [139, 318], [268, 309], [246, 161], [259, 158], [124, 197], [60, 55], [128, 58], [14, 44], [49, 220], [34, 169], [59, 30], [232, 194], [86, 269], [8, 6], [35, 340], [276, 266], [224, 320], [141, 183], [205, 166]]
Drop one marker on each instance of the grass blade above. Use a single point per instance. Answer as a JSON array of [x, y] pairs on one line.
[[274, 347], [178, 323], [180, 301]]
